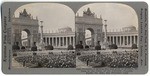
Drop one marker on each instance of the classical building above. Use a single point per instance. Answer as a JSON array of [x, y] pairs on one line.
[[88, 22], [123, 39], [61, 39], [66, 36], [26, 23]]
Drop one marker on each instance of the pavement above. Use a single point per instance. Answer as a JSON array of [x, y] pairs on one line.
[[16, 64], [80, 64]]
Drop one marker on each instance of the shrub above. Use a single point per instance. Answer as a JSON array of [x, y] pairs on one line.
[[34, 48], [98, 47], [14, 54], [79, 46], [86, 47], [49, 47], [134, 46], [70, 47], [50, 52], [15, 47], [114, 52], [34, 53], [78, 53], [98, 52], [23, 48], [113, 46]]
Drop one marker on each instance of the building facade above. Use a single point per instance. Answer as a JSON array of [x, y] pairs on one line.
[[25, 22], [123, 39], [66, 36], [61, 39]]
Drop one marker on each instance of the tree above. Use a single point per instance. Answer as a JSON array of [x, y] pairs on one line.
[[134, 46]]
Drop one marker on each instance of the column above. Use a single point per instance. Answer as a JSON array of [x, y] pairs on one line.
[[134, 39], [120, 40], [130, 40], [73, 40], [69, 40], [137, 40], [113, 39], [127, 40], [123, 40], [110, 40], [49, 41], [46, 40], [66, 41], [52, 41], [56, 41], [59, 41], [117, 40], [62, 41]]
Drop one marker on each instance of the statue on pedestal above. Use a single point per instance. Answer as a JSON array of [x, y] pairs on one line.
[[41, 44]]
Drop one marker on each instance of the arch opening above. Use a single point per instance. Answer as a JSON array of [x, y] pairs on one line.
[[25, 38], [89, 40]]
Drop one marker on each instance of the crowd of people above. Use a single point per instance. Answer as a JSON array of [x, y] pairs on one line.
[[114, 60], [49, 61]]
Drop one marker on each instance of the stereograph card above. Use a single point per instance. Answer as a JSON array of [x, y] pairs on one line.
[[74, 37]]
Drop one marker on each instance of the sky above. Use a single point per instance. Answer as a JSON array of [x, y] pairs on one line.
[[55, 16], [117, 15]]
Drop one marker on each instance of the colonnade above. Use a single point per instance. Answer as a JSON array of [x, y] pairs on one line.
[[59, 41], [123, 40]]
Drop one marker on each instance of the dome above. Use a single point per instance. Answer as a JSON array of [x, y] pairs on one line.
[[65, 29], [129, 29]]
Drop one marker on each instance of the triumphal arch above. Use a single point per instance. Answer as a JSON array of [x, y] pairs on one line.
[[25, 22], [90, 22]]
